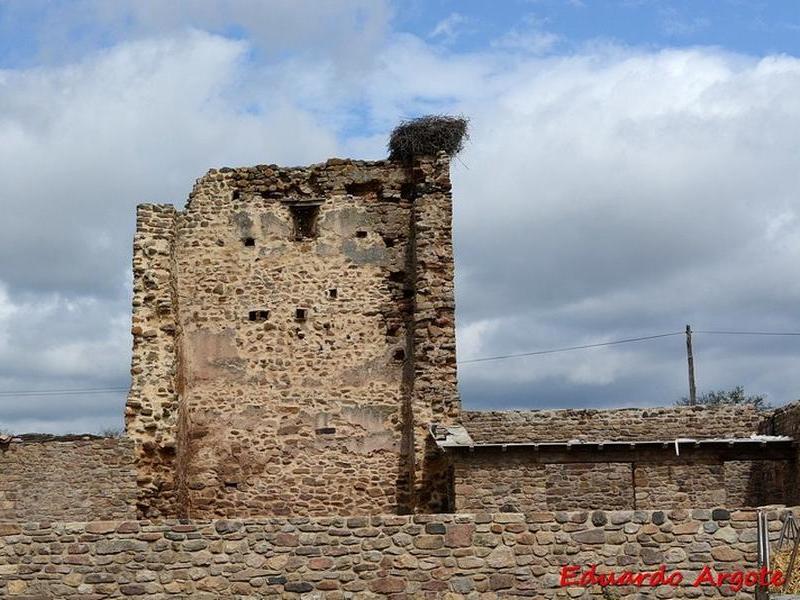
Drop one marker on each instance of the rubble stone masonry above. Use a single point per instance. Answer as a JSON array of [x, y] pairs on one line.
[[525, 480], [67, 479], [608, 476], [786, 421], [293, 338], [424, 556], [151, 414], [634, 424]]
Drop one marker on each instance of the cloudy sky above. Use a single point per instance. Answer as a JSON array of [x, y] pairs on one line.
[[633, 167]]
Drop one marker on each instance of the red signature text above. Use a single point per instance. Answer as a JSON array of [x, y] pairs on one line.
[[572, 575]]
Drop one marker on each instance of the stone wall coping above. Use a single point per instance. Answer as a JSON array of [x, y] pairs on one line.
[[223, 526]]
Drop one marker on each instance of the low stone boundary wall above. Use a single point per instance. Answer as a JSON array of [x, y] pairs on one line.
[[503, 555], [655, 423], [45, 477]]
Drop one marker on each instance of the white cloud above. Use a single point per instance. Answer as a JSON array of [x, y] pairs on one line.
[[449, 28], [609, 193], [530, 36], [43, 336], [80, 146], [346, 31], [629, 194], [674, 23]]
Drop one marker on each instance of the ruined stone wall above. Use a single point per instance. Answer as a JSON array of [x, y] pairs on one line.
[[608, 485], [465, 556], [526, 480], [67, 479], [616, 476], [483, 484], [682, 485], [514, 483], [783, 421], [663, 423], [152, 407], [786, 421], [302, 320], [433, 379], [757, 482]]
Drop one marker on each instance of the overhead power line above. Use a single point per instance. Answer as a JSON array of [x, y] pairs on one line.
[[749, 332], [568, 348], [625, 341], [56, 392], [76, 391]]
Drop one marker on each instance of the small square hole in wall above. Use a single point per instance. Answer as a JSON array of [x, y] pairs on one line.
[[333, 293], [301, 314], [399, 354], [235, 195], [361, 234], [258, 315], [248, 241]]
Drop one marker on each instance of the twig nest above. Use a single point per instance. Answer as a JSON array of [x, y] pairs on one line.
[[427, 136]]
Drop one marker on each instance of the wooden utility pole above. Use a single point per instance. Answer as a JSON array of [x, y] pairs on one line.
[[690, 357]]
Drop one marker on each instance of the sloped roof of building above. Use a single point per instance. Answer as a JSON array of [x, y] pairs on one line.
[[456, 436]]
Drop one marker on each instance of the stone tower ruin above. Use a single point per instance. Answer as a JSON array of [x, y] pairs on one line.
[[293, 341]]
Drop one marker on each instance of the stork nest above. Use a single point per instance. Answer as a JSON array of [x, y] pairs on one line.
[[427, 136]]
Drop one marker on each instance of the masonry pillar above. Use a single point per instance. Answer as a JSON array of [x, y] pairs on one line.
[[435, 394], [152, 407]]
